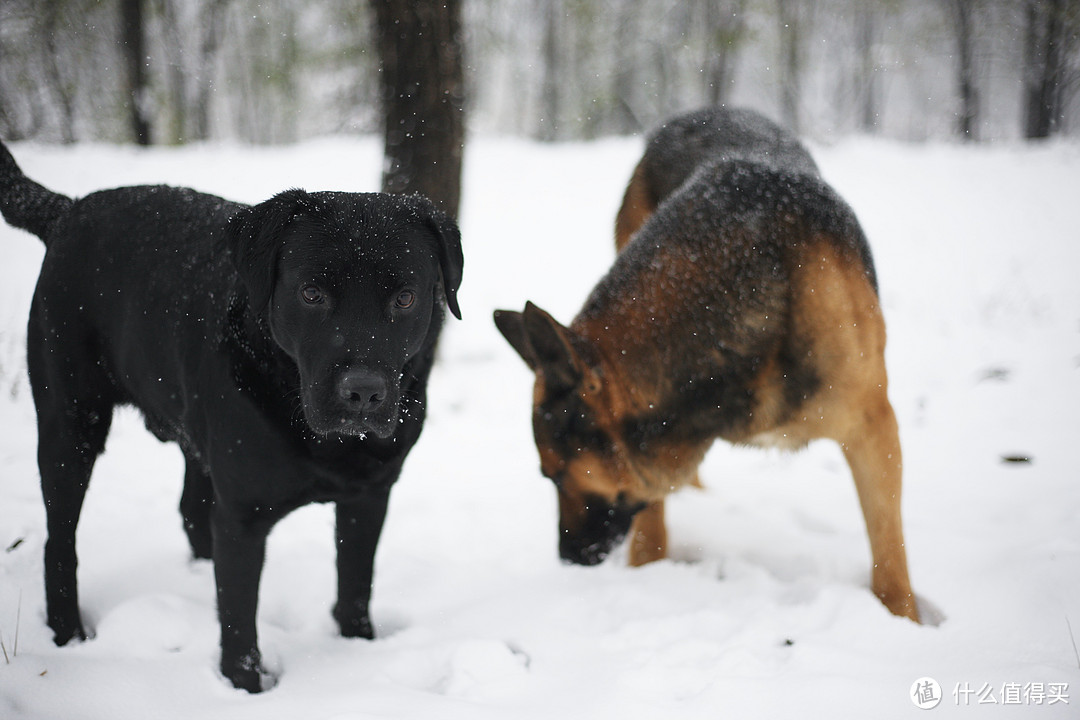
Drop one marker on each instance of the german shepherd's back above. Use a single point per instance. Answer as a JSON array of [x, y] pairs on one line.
[[677, 149], [744, 306]]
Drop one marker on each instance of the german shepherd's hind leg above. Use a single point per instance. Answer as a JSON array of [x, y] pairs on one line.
[[648, 535], [873, 453]]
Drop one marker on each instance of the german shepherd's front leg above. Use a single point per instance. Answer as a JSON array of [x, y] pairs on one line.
[[359, 524], [873, 453], [648, 535]]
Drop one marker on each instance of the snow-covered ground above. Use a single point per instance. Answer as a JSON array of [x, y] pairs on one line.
[[764, 609]]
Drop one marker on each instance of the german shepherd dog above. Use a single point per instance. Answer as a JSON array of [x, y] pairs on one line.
[[284, 346], [742, 305]]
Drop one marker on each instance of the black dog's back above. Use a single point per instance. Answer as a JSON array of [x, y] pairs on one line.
[[126, 280], [123, 277]]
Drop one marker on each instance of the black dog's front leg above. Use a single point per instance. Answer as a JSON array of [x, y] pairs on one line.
[[239, 552], [196, 505], [359, 524]]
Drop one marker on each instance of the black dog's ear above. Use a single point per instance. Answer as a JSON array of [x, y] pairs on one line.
[[451, 259], [254, 239]]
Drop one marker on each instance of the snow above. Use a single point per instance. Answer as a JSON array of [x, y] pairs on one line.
[[764, 608]]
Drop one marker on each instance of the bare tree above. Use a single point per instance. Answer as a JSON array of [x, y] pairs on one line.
[[725, 24], [961, 15], [867, 85], [212, 29], [52, 71], [131, 23], [1050, 40], [550, 78], [790, 19], [422, 70]]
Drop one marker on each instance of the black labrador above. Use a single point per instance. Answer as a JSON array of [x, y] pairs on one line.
[[284, 346]]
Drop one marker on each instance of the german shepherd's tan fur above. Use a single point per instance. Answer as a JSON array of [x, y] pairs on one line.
[[743, 305]]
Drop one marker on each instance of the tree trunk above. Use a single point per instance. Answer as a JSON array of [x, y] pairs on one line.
[[726, 27], [548, 130], [626, 76], [962, 12], [1045, 66], [175, 76], [867, 86], [790, 63], [52, 72], [212, 28], [422, 72], [131, 28]]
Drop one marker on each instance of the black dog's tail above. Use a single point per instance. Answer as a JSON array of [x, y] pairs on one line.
[[24, 203]]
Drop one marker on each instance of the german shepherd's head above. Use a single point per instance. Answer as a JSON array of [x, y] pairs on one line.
[[604, 468]]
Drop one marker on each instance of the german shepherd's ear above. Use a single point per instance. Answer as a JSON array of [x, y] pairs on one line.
[[543, 344], [512, 326], [254, 239]]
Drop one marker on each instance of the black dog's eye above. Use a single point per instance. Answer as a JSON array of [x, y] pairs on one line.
[[405, 299], [311, 294]]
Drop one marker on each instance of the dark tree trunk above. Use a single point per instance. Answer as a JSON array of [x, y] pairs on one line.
[[1045, 66], [548, 130], [867, 86], [131, 24], [422, 71], [962, 12], [790, 63]]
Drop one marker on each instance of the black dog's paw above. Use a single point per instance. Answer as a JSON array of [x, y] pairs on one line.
[[247, 673], [199, 538], [201, 550], [65, 630], [355, 624]]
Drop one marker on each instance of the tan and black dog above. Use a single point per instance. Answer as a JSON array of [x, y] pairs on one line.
[[743, 305]]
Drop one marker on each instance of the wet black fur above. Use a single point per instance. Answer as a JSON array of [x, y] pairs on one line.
[[192, 309]]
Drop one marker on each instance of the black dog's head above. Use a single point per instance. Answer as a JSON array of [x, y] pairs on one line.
[[351, 286]]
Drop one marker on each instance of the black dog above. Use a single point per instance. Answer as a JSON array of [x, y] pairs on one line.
[[285, 347]]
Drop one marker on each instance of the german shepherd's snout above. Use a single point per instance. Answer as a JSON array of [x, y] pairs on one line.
[[743, 305]]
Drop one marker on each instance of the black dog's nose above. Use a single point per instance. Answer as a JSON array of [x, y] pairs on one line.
[[361, 390]]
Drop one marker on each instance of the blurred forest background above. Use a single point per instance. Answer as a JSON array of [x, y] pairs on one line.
[[275, 71]]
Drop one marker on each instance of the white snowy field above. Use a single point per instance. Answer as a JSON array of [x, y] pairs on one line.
[[763, 611]]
